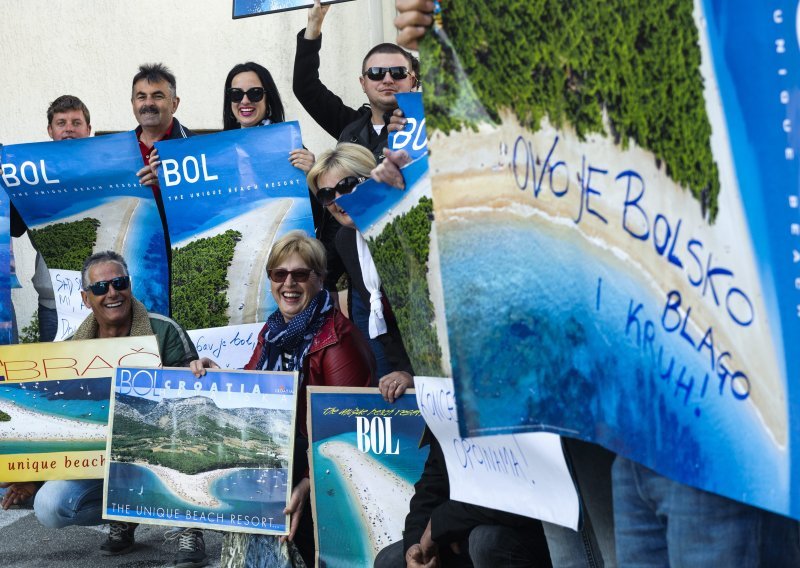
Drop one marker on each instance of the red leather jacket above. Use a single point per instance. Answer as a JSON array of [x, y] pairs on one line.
[[339, 356]]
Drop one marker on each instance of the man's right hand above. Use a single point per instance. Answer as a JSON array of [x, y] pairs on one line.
[[18, 493], [416, 559], [414, 17], [316, 15]]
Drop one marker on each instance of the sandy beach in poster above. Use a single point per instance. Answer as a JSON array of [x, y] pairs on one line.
[[191, 488], [258, 228], [37, 427], [382, 495]]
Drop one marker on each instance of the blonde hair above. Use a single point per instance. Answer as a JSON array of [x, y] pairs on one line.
[[351, 159], [309, 249]]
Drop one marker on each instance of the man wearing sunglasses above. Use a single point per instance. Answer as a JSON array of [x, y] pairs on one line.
[[115, 313], [386, 70]]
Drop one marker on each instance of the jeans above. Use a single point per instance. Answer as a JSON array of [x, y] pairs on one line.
[[61, 504], [593, 545], [360, 317], [48, 324], [660, 522]]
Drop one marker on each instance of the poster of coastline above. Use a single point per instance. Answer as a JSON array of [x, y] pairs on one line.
[[247, 8], [365, 458], [82, 196], [399, 227], [208, 452], [618, 230], [5, 270], [228, 197], [54, 405]]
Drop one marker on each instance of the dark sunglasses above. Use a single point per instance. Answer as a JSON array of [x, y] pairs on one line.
[[299, 275], [378, 73], [119, 283], [253, 95], [327, 195]]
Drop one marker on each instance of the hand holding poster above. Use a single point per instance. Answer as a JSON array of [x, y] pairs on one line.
[[208, 452], [365, 459], [54, 405], [524, 474]]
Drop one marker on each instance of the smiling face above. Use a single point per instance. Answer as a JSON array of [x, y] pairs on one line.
[[381, 94], [153, 103], [330, 179], [248, 113], [68, 125], [293, 297], [113, 310]]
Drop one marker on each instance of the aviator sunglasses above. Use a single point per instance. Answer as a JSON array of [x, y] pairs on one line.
[[327, 195], [253, 95], [279, 275], [119, 283], [378, 73]]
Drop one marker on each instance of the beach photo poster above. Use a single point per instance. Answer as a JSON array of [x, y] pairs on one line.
[[618, 230], [365, 458], [523, 473], [248, 8], [228, 197], [54, 405], [209, 452], [400, 229], [6, 309], [82, 196]]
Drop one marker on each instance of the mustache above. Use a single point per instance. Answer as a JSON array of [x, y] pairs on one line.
[[148, 109]]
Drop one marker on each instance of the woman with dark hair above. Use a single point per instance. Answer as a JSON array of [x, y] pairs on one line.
[[252, 99]]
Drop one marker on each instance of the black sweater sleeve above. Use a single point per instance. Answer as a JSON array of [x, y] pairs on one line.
[[432, 489]]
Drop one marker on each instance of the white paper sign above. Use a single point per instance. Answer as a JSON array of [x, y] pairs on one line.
[[230, 347], [524, 474], [69, 305]]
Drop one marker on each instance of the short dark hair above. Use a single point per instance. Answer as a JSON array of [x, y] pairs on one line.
[[66, 103], [99, 258], [154, 73], [274, 104], [413, 62]]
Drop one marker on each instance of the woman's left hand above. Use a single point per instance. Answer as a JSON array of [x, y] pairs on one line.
[[296, 505], [302, 159], [393, 385]]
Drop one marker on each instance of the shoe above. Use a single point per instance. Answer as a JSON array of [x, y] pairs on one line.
[[120, 539], [191, 548]]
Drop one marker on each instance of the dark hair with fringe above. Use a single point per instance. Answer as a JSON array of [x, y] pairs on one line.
[[274, 104]]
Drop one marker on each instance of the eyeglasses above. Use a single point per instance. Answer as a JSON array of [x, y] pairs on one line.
[[378, 73], [100, 288], [327, 195], [279, 275], [253, 95]]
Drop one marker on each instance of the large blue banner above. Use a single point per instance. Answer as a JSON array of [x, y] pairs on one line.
[[247, 8], [5, 270], [228, 197], [82, 196]]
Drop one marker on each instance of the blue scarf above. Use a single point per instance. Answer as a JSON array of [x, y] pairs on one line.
[[295, 336]]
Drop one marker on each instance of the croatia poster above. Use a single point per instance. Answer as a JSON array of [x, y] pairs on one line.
[[6, 314], [54, 405], [365, 458], [82, 196], [618, 230], [247, 8], [208, 452], [228, 197]]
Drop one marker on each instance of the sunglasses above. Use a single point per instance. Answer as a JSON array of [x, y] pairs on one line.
[[119, 283], [253, 95], [378, 73], [279, 275], [327, 195]]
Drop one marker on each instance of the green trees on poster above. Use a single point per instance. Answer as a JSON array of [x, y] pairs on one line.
[[66, 245], [628, 69], [200, 281]]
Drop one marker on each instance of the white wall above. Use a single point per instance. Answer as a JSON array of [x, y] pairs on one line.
[[92, 49]]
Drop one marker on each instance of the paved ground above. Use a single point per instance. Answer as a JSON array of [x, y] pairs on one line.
[[24, 543]]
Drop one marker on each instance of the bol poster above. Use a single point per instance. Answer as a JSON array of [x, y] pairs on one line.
[[228, 196], [365, 459], [54, 405], [209, 452], [618, 230], [247, 8], [5, 269]]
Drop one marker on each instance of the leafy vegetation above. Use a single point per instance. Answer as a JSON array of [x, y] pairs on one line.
[[30, 333], [66, 245], [636, 61], [200, 280], [210, 447], [400, 253], [4, 417]]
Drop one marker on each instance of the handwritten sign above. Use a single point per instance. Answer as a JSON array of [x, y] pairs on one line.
[[524, 474], [69, 304], [230, 347]]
